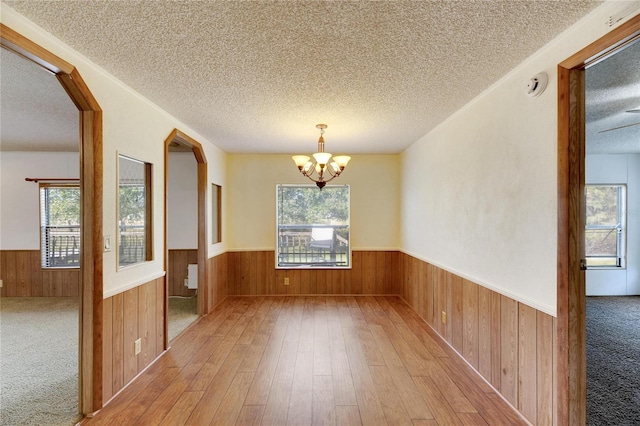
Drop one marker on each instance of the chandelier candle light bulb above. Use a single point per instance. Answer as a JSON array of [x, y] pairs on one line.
[[321, 160]]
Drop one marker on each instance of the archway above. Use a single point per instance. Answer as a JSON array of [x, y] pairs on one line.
[[176, 137], [90, 353]]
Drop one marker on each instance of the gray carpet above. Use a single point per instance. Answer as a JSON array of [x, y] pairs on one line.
[[613, 360], [39, 360], [182, 312]]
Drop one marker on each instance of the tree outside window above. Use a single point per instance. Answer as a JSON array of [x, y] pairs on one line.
[[605, 225], [313, 226]]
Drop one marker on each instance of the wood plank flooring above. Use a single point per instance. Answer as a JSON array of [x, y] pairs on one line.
[[309, 360]]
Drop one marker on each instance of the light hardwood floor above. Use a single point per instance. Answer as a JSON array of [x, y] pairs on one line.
[[307, 361]]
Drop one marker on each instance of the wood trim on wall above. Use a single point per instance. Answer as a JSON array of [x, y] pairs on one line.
[[571, 316], [511, 345], [90, 375], [254, 273]]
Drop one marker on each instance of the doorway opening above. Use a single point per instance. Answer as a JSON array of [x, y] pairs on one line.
[[612, 246], [185, 232], [571, 297], [90, 184]]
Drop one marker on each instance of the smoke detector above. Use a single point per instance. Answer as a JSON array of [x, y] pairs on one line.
[[537, 84]]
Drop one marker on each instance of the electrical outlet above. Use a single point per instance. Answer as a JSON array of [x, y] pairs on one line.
[[286, 281], [107, 243], [444, 317], [137, 346], [0, 283]]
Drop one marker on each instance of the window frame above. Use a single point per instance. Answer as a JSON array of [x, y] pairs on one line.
[[216, 213], [314, 265], [148, 213], [620, 228], [43, 250]]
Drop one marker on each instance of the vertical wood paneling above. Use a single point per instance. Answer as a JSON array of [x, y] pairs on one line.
[[107, 349], [470, 322], [484, 332], [9, 274], [509, 349], [23, 276], [321, 281], [253, 273], [23, 282], [146, 319], [455, 314], [262, 270], [218, 286], [118, 342], [496, 373], [37, 289], [368, 272], [372, 272], [356, 272], [177, 273], [527, 362], [378, 272], [160, 302], [544, 367], [135, 313], [511, 344], [441, 300], [420, 278], [130, 333]]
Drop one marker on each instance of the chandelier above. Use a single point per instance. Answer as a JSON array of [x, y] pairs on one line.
[[322, 168]]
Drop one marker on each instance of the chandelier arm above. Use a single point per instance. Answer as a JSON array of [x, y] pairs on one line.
[[332, 178], [309, 175]]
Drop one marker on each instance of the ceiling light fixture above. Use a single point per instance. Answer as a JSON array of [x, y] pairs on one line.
[[322, 168]]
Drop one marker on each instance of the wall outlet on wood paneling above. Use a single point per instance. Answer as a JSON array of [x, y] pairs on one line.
[[0, 283], [444, 317], [137, 346], [286, 280]]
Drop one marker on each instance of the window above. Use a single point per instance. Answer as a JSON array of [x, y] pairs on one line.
[[605, 226], [60, 225], [134, 211], [313, 226], [216, 216]]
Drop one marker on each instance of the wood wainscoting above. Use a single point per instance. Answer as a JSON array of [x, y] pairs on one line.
[[137, 313], [372, 272], [177, 271], [512, 345], [23, 276]]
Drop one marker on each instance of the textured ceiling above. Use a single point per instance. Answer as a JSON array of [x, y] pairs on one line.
[[257, 76], [36, 112], [612, 89]]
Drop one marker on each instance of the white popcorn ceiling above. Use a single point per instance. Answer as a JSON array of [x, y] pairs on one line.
[[256, 77], [36, 112], [612, 89]]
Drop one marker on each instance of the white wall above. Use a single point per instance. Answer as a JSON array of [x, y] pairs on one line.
[[132, 126], [479, 192], [182, 200], [375, 201], [20, 200], [618, 169]]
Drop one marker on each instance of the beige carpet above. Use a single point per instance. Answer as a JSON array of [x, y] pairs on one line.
[[39, 360], [182, 312]]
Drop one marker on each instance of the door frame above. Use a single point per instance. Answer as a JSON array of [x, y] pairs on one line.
[[571, 295], [91, 281], [176, 136]]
